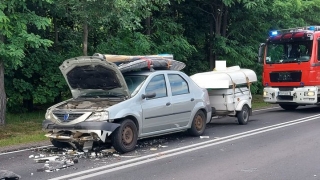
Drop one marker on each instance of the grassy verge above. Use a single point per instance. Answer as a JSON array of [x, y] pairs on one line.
[[258, 103], [22, 128], [26, 128]]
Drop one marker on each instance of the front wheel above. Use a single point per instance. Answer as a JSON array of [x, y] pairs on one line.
[[198, 124], [288, 106], [243, 115], [124, 138]]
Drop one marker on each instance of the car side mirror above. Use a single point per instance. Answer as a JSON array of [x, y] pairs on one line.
[[261, 52], [148, 95]]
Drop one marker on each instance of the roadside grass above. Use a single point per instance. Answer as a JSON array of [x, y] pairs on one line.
[[258, 103], [26, 127], [22, 128]]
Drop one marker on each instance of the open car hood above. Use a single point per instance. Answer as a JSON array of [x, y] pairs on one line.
[[87, 74]]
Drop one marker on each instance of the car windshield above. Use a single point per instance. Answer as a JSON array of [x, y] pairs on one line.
[[134, 83], [288, 52]]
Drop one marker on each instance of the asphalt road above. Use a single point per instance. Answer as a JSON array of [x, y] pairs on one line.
[[275, 144]]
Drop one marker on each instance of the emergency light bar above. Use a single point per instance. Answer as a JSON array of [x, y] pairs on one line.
[[298, 29]]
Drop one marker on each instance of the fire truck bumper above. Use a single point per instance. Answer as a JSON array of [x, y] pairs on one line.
[[306, 95]]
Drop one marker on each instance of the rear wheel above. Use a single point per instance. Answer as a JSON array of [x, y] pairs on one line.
[[288, 106], [198, 124], [124, 138], [243, 115]]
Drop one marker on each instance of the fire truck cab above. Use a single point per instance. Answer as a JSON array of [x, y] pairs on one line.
[[291, 67]]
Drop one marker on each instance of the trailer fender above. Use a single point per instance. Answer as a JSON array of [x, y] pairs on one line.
[[242, 103]]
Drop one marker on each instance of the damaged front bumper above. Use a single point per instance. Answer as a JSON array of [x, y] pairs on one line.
[[80, 132]]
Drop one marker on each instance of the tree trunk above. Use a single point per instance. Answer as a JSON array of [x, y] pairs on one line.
[[3, 98], [56, 33], [148, 25], [225, 21], [85, 38], [28, 104], [211, 35]]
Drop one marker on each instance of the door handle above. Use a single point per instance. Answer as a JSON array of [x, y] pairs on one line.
[[192, 99], [168, 104]]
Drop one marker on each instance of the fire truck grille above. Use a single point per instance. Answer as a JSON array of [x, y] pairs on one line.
[[287, 98], [286, 76]]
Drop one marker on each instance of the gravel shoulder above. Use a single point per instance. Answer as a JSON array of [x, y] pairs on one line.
[[24, 146]]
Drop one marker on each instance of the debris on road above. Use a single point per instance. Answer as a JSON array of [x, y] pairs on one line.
[[162, 146], [128, 156], [56, 165], [204, 137], [42, 160], [55, 159], [5, 174]]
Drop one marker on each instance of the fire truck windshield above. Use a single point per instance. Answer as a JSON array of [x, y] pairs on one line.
[[288, 52]]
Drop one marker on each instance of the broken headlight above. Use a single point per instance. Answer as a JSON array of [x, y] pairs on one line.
[[48, 116], [99, 116]]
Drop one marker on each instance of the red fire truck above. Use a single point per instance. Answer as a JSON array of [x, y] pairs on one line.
[[291, 67]]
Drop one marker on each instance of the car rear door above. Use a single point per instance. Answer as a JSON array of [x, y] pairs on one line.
[[182, 100]]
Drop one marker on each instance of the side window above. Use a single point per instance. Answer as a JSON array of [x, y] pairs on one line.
[[157, 85], [178, 85]]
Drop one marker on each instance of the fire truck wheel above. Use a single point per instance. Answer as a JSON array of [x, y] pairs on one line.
[[243, 115], [288, 106]]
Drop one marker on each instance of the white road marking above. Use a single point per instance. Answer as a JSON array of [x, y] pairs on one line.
[[177, 151]]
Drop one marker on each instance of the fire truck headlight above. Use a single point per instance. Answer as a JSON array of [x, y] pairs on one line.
[[309, 93], [265, 93]]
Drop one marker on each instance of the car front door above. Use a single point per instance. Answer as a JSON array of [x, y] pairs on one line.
[[182, 101], [156, 110]]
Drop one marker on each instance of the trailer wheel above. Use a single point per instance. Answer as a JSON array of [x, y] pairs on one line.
[[288, 106], [243, 115], [124, 138], [198, 124]]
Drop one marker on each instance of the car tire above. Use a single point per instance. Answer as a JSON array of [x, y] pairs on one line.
[[59, 144], [288, 106], [243, 115], [124, 138], [198, 124]]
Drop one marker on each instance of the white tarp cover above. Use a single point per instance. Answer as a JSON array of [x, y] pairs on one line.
[[218, 79]]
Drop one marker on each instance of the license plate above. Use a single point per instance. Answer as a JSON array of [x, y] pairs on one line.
[[284, 93]]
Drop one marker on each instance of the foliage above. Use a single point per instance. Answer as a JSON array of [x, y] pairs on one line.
[[15, 20], [41, 34]]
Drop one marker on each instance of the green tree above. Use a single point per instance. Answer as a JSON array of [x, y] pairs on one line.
[[15, 20]]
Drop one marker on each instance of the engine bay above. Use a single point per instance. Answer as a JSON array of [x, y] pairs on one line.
[[86, 104]]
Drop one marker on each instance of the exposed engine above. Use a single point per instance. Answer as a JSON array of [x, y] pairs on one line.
[[94, 104]]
